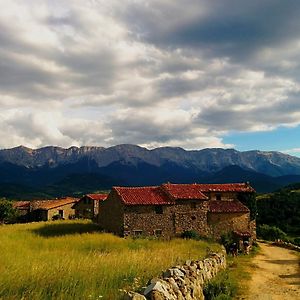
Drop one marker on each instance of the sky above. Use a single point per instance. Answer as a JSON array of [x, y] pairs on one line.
[[192, 74]]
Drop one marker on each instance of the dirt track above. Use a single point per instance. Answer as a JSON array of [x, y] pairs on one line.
[[275, 276]]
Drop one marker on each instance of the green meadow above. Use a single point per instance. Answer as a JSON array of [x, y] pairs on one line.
[[73, 260]]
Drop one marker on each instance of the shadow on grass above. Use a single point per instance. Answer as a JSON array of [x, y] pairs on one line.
[[51, 230]]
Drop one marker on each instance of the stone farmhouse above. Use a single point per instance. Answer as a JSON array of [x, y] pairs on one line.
[[45, 210], [88, 206], [171, 209]]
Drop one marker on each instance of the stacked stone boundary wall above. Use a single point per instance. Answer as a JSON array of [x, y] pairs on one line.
[[184, 282], [287, 245]]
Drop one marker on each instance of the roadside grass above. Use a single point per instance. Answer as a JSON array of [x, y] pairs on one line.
[[239, 271], [72, 260]]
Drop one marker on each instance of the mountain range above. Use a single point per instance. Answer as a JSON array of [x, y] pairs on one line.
[[54, 171]]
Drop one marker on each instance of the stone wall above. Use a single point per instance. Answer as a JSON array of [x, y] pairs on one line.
[[111, 214], [183, 282], [223, 222], [287, 245], [227, 196], [170, 220], [84, 210], [68, 211], [144, 219]]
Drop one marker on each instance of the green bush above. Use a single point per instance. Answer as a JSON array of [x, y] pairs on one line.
[[270, 233], [297, 241], [227, 239], [222, 287], [8, 214], [190, 234]]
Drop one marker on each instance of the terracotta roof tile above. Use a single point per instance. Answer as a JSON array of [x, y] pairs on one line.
[[235, 206], [150, 195], [21, 204], [97, 197], [226, 187], [49, 204], [242, 233], [184, 191], [167, 193]]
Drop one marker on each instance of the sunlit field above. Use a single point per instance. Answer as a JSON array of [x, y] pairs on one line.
[[73, 260]]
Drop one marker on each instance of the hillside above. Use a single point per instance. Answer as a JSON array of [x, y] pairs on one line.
[[281, 209], [56, 171]]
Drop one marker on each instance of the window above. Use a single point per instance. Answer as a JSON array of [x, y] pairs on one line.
[[193, 205], [157, 232], [218, 197], [61, 213], [159, 209], [137, 232], [87, 201]]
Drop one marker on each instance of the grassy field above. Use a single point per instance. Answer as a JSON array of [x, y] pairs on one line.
[[72, 260]]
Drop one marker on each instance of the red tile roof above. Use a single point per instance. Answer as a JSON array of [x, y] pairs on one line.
[[49, 204], [242, 233], [97, 197], [219, 206], [21, 204], [184, 191], [150, 195], [167, 193], [225, 187]]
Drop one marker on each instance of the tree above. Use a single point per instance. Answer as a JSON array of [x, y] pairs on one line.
[[250, 201], [8, 214]]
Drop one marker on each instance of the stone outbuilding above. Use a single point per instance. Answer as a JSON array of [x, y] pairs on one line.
[[170, 209], [88, 206], [47, 210], [23, 208]]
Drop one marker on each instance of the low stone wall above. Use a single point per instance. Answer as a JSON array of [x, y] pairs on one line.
[[287, 245], [183, 282]]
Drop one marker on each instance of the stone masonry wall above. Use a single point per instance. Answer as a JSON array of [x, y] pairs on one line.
[[183, 282], [224, 222], [67, 208], [227, 196], [172, 221], [111, 214]]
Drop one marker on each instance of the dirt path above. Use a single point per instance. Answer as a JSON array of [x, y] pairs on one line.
[[276, 275]]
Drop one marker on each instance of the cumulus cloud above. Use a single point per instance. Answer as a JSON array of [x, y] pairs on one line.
[[152, 73]]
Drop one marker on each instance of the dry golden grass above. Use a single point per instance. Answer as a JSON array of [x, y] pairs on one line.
[[73, 260]]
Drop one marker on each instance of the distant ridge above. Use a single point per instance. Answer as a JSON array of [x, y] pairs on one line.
[[208, 160], [88, 168]]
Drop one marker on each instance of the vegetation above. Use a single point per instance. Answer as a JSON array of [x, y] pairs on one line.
[[270, 233], [190, 234], [281, 209], [250, 201], [7, 213], [239, 270], [72, 260], [233, 282], [227, 239], [223, 286]]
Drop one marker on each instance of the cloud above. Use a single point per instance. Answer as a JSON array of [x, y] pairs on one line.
[[146, 72]]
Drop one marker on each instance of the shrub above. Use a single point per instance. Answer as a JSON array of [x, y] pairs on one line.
[[297, 241], [221, 287], [270, 233], [8, 214], [190, 234], [227, 239]]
